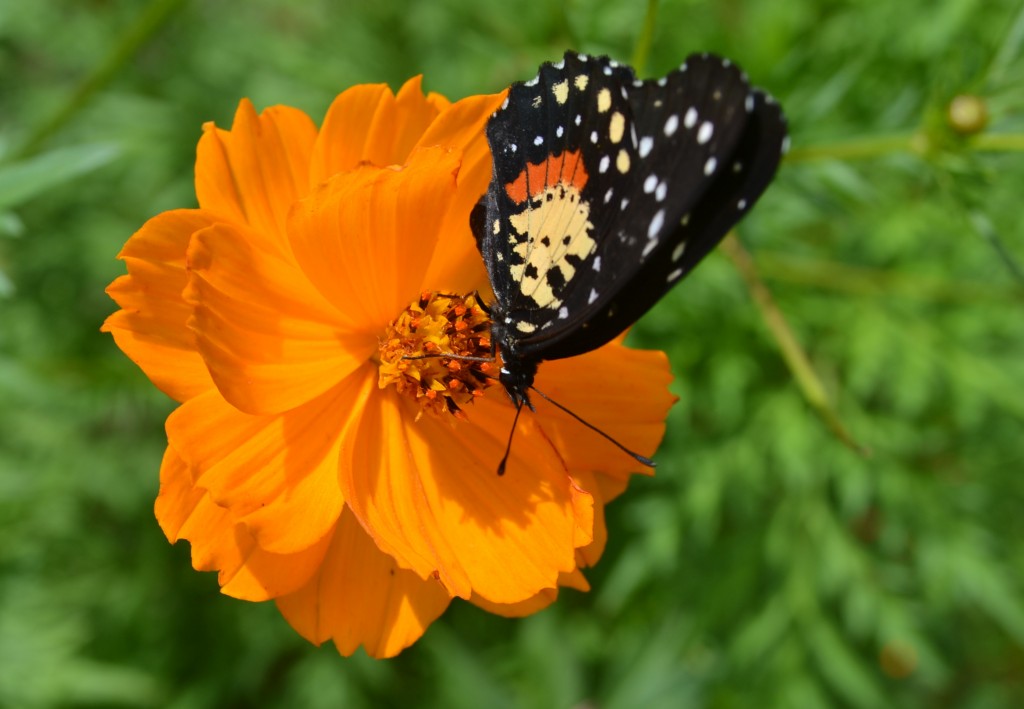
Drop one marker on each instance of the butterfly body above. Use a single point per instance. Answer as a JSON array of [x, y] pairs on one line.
[[606, 191]]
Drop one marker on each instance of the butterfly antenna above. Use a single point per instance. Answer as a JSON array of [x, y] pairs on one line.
[[508, 446], [643, 460]]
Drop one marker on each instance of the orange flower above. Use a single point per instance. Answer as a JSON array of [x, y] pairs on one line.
[[309, 462]]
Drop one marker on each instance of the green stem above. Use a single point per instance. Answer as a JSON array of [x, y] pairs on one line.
[[858, 149], [152, 19], [878, 146], [643, 42], [796, 359], [865, 281], [998, 142]]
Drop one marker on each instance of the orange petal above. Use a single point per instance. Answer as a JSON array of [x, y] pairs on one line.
[[365, 238], [518, 610], [221, 544], [277, 474], [589, 554], [623, 392], [253, 173], [269, 339], [151, 326], [359, 596], [458, 268], [264, 575], [542, 600], [429, 495], [178, 497], [395, 132], [369, 124]]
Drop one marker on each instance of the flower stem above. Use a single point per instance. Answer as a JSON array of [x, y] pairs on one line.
[[796, 359], [643, 42], [859, 148], [1012, 142]]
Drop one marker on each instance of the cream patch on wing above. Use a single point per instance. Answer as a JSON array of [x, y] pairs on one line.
[[556, 225]]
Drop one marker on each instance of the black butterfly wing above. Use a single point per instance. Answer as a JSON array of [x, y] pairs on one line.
[[640, 181], [739, 179], [540, 183]]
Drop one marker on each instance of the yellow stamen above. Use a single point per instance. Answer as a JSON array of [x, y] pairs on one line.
[[438, 325]]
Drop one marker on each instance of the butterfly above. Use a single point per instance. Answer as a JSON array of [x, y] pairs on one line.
[[606, 191]]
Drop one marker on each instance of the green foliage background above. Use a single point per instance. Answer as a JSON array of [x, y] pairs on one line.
[[767, 564]]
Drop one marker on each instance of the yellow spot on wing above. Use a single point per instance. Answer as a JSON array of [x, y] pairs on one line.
[[561, 91], [622, 161], [617, 127], [581, 81], [604, 100]]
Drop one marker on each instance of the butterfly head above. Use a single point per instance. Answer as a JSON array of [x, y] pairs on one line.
[[517, 372]]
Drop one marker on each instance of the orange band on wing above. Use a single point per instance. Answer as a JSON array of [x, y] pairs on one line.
[[566, 169]]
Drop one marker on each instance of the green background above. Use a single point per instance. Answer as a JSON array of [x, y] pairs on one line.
[[768, 563]]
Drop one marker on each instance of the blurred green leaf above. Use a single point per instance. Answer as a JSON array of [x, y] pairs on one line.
[[33, 177]]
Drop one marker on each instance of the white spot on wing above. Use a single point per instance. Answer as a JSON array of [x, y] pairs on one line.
[[656, 223], [593, 296], [671, 124], [677, 252], [742, 204], [704, 132], [563, 312], [690, 119], [646, 144], [539, 140], [597, 263], [649, 247], [661, 192], [710, 165], [674, 276], [650, 183], [608, 195], [602, 167]]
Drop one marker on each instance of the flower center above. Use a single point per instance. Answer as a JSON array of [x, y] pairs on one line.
[[433, 329]]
